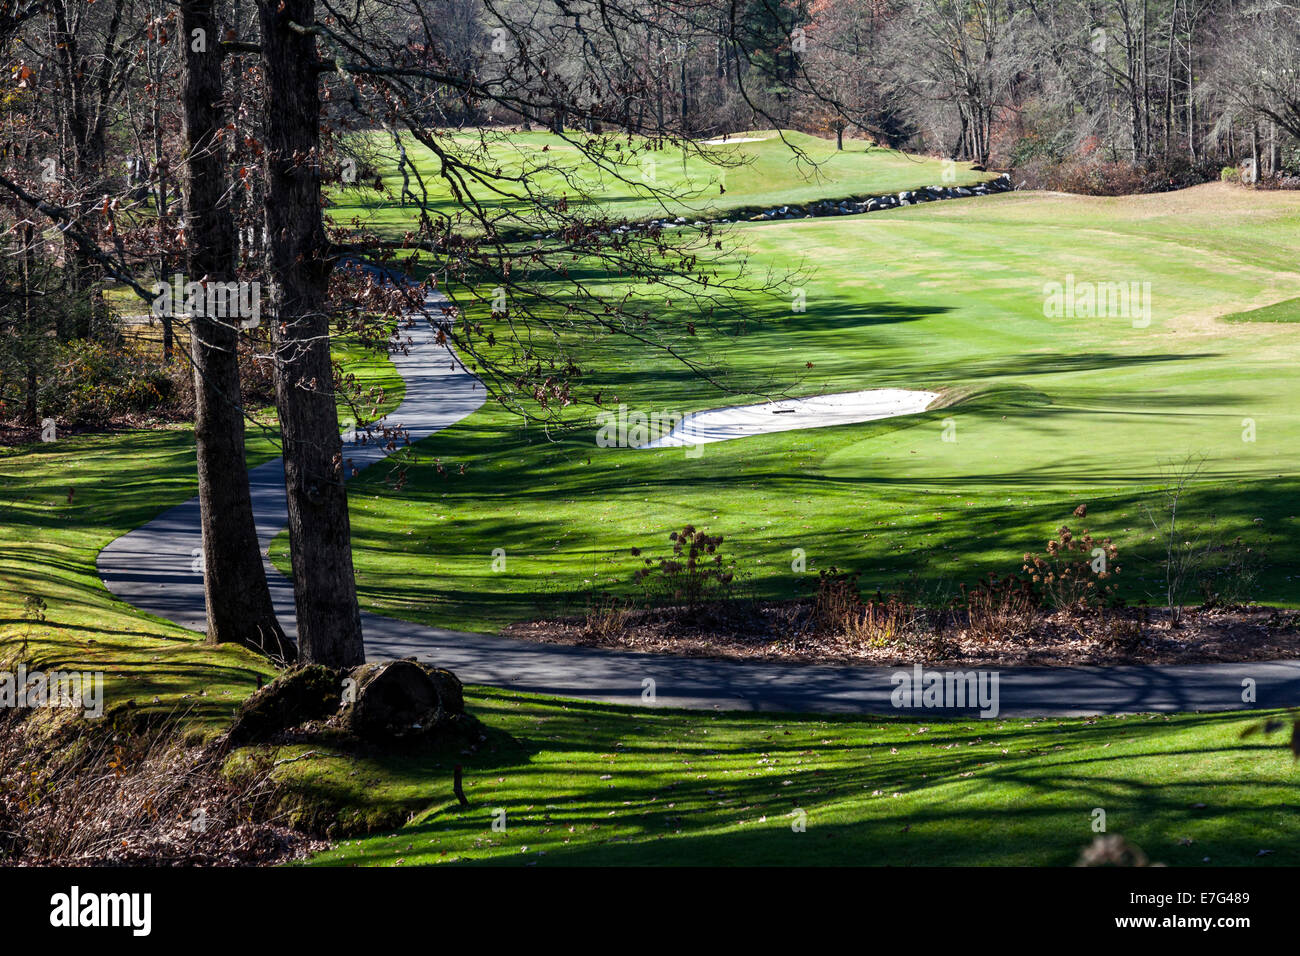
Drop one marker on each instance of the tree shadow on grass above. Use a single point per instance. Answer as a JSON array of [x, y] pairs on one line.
[[961, 800], [329, 799]]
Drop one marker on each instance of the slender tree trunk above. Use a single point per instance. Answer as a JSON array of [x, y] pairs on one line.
[[234, 580], [1169, 85], [30, 415], [1135, 109], [659, 92], [329, 621], [685, 98], [1191, 99], [30, 411], [168, 325], [1146, 83], [1254, 152], [160, 201]]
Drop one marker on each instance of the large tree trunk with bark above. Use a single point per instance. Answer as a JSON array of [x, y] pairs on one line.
[[234, 580], [298, 263]]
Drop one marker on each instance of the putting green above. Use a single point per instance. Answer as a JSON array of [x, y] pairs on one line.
[[1041, 411]]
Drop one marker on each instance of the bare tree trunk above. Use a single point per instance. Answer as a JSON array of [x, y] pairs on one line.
[[686, 99], [1169, 85], [30, 411], [329, 621], [234, 580], [1254, 152], [1135, 110], [1146, 82], [160, 167], [160, 198], [1191, 100]]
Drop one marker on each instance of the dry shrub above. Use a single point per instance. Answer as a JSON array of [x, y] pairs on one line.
[[605, 619], [837, 605], [884, 622], [1074, 572], [1091, 176], [838, 610], [119, 791], [1120, 633], [999, 608], [694, 573]]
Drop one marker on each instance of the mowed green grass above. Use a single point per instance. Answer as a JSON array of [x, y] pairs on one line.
[[61, 502], [1047, 412], [585, 784], [626, 785], [778, 168]]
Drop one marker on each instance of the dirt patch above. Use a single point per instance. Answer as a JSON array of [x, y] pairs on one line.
[[786, 631]]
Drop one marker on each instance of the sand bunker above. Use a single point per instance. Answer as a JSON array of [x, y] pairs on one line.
[[817, 411]]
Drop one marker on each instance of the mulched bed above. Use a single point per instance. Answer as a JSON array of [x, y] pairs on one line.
[[783, 631]]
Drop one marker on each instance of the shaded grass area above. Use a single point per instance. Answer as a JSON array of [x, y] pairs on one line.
[[589, 784], [61, 503], [1044, 412]]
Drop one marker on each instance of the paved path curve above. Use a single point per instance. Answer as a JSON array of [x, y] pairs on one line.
[[153, 568]]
